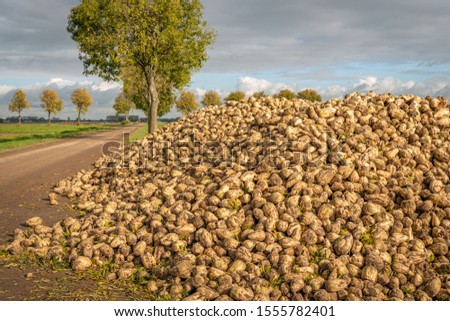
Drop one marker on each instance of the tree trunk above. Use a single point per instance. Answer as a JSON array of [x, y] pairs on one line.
[[126, 117], [152, 102], [49, 118], [78, 119], [20, 118]]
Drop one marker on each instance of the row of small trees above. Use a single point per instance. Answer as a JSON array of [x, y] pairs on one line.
[[51, 102], [187, 103], [307, 94]]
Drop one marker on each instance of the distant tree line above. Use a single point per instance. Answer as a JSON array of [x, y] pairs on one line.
[[307, 94], [187, 102]]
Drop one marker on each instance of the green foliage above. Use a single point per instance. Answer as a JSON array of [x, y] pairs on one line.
[[259, 94], [367, 237], [212, 98], [285, 93], [186, 104], [235, 96], [317, 256], [19, 102], [123, 105], [236, 204], [51, 102], [82, 100], [407, 290], [277, 282], [135, 89], [140, 276], [309, 94], [167, 99], [310, 277], [265, 269], [164, 297], [165, 40]]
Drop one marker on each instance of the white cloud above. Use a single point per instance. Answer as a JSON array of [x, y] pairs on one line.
[[54, 82], [6, 89], [368, 81], [409, 84], [389, 84], [430, 87], [333, 91], [85, 83], [199, 93], [251, 85], [105, 86], [60, 82], [440, 86]]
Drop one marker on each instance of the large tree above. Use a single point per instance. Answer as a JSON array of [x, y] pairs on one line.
[[51, 102], [123, 105], [187, 104], [82, 100], [19, 102], [165, 40]]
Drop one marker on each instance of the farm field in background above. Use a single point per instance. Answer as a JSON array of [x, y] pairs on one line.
[[13, 136]]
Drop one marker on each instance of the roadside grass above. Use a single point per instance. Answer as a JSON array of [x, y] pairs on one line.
[[143, 131], [13, 136], [60, 283]]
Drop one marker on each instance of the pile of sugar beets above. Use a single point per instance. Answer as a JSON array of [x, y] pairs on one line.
[[270, 199]]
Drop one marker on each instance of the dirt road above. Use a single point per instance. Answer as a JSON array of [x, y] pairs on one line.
[[26, 178], [27, 175]]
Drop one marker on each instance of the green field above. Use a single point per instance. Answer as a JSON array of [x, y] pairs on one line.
[[142, 132], [13, 136]]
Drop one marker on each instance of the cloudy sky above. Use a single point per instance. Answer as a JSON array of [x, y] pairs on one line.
[[335, 47]]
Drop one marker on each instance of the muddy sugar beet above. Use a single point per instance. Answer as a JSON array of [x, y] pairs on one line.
[[270, 199]]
